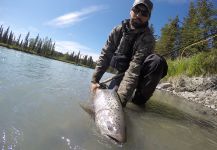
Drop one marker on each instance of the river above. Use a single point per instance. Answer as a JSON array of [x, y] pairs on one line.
[[39, 110]]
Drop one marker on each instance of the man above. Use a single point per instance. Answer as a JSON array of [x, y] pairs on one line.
[[130, 50]]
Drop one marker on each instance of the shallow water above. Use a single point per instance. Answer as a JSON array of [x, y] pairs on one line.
[[39, 109]]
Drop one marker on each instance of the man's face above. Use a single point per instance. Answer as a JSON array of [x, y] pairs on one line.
[[139, 16]]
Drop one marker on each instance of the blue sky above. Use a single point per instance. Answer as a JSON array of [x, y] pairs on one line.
[[79, 25]]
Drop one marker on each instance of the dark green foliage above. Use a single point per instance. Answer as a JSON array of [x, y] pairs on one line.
[[26, 41], [170, 38], [1, 33], [190, 31], [5, 36], [90, 62], [18, 41], [52, 49], [84, 61], [39, 47], [207, 20], [10, 39], [35, 42]]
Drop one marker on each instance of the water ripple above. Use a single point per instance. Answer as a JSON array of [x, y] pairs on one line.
[[70, 145], [11, 139]]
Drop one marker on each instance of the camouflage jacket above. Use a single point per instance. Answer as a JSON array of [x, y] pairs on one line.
[[142, 47]]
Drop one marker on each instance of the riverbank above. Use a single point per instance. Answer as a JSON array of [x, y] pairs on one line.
[[202, 90], [62, 59]]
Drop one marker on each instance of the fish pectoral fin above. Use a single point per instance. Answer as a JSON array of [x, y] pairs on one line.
[[87, 107]]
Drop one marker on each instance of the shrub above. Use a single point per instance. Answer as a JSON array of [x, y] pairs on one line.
[[204, 63]]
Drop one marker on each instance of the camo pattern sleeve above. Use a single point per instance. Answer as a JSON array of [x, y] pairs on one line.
[[106, 54], [143, 47]]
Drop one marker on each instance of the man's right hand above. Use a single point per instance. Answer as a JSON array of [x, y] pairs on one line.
[[94, 87]]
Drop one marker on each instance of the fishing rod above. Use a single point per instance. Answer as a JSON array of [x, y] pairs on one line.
[[204, 40], [192, 44], [114, 77]]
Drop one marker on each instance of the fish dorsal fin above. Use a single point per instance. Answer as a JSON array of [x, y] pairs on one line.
[[115, 88], [88, 108]]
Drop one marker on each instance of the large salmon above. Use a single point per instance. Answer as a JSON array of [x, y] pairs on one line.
[[108, 115]]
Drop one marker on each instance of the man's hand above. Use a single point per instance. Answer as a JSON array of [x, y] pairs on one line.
[[123, 102], [94, 87]]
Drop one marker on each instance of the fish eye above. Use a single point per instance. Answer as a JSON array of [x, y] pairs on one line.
[[110, 128]]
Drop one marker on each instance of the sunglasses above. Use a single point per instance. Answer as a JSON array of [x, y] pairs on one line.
[[142, 10]]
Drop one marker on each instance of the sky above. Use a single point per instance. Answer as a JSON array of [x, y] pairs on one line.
[[76, 25]]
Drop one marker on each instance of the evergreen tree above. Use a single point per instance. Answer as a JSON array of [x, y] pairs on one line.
[[35, 42], [5, 35], [10, 38], [21, 43], [26, 41], [14, 40], [50, 44], [52, 49], [77, 58], [47, 46], [190, 31], [170, 39], [1, 33], [90, 62], [18, 40], [39, 47], [84, 61], [31, 43], [72, 57], [207, 20]]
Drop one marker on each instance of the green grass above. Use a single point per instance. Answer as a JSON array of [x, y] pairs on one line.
[[204, 63]]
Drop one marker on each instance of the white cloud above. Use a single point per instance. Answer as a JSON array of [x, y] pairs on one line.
[[173, 1], [74, 17], [71, 46]]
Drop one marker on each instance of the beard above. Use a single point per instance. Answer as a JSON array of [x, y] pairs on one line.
[[137, 23]]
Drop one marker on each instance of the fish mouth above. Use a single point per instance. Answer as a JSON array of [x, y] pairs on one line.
[[117, 140]]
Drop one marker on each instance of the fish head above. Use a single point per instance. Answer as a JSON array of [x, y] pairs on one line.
[[112, 127], [116, 138]]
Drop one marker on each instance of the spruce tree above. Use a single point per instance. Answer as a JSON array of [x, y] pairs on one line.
[[26, 41], [170, 39], [90, 62], [18, 40], [5, 36], [10, 38], [35, 43], [52, 49], [207, 20], [1, 32], [190, 31]]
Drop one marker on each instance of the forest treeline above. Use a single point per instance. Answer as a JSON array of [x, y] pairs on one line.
[[199, 24], [41, 46]]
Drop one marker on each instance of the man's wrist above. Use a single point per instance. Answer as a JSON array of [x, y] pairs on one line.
[[122, 100], [94, 82]]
